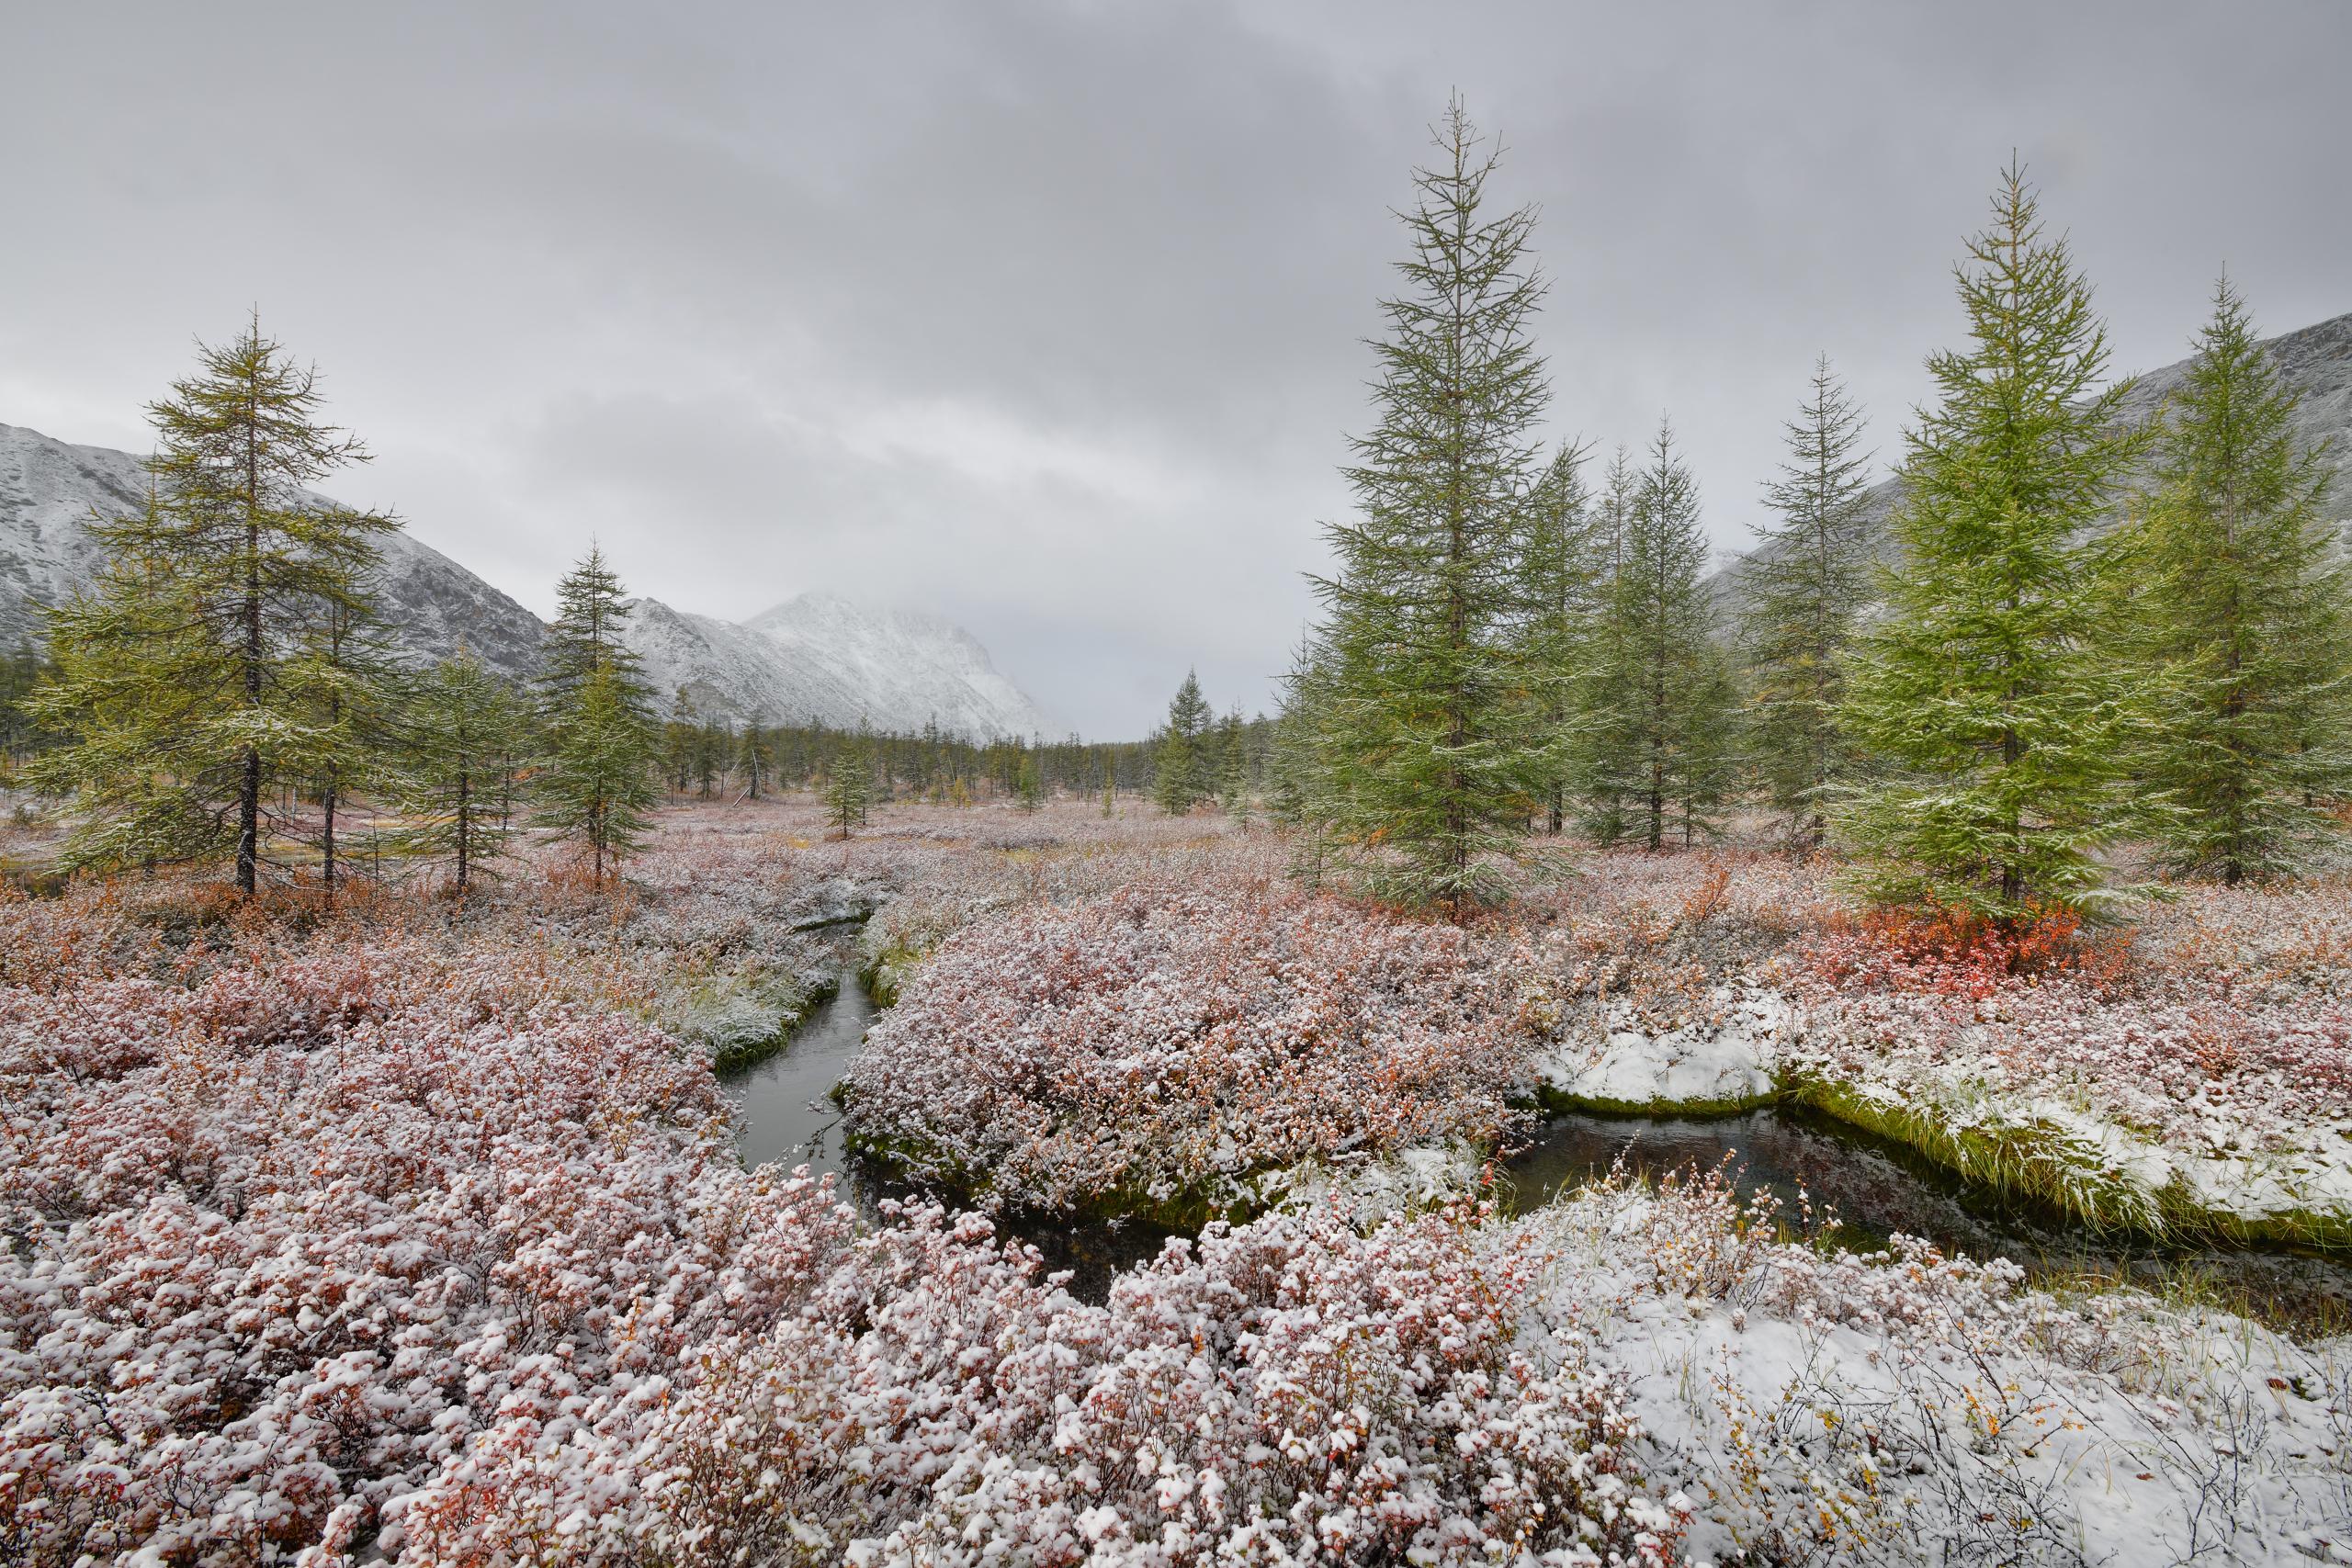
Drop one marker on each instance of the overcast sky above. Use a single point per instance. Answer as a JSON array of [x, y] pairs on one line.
[[1049, 319]]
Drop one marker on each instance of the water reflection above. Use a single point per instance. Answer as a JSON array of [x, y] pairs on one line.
[[1876, 1189], [788, 1119]]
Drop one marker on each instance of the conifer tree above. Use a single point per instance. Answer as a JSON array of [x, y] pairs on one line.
[[680, 734], [592, 613], [1180, 776], [756, 758], [1233, 768], [1028, 789], [1665, 696], [189, 679], [21, 734], [1110, 785], [1601, 760], [848, 792], [1802, 594], [1432, 755], [1984, 689], [2237, 590], [1561, 577], [347, 663], [598, 784], [460, 723]]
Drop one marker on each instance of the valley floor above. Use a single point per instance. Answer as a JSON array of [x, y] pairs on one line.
[[417, 1230]]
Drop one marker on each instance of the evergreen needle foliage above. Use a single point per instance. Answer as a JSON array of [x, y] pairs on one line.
[[599, 780], [1986, 689], [462, 724], [1181, 778], [1559, 572], [2235, 588], [1802, 594], [217, 663], [1666, 708], [1431, 757], [598, 785], [848, 794]]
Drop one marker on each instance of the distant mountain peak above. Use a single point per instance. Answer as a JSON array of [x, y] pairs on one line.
[[819, 655]]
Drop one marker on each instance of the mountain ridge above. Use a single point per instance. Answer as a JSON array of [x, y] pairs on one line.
[[815, 656]]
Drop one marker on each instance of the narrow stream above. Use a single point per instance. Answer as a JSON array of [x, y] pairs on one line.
[[788, 1119], [1873, 1189]]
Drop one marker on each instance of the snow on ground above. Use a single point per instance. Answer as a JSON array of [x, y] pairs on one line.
[[411, 1233]]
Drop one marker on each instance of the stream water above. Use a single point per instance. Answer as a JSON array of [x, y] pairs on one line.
[[788, 1119], [1873, 1189]]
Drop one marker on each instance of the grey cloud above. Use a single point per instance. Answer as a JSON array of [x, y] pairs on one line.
[[1048, 317]]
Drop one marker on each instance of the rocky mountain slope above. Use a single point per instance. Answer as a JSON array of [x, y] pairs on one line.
[[816, 656], [48, 489]]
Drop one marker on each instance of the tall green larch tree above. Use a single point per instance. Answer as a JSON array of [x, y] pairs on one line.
[[591, 615], [1233, 767], [190, 680], [848, 791], [1985, 691], [1560, 575], [1600, 764], [598, 787], [1179, 775], [1433, 757], [1665, 712], [1802, 595], [2236, 589], [459, 723]]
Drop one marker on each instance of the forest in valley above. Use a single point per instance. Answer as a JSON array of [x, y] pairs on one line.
[[1234, 1145]]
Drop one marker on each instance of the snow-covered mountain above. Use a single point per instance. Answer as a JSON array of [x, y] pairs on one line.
[[48, 489], [819, 656], [816, 656]]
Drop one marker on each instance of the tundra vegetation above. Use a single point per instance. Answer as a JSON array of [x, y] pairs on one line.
[[380, 1201]]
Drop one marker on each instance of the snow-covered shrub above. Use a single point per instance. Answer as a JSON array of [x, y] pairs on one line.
[[1151, 1047]]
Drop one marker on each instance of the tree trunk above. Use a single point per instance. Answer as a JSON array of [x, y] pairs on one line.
[[326, 840], [465, 824]]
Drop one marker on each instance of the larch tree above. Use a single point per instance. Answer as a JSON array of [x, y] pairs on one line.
[[1600, 768], [598, 787], [460, 724], [1667, 710], [756, 758], [592, 615], [1985, 690], [1560, 573], [350, 669], [1233, 767], [2237, 590], [1803, 592], [848, 792], [1179, 775], [1434, 756], [191, 680]]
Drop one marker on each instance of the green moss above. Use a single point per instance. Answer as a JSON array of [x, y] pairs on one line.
[[1553, 1101], [735, 1054]]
